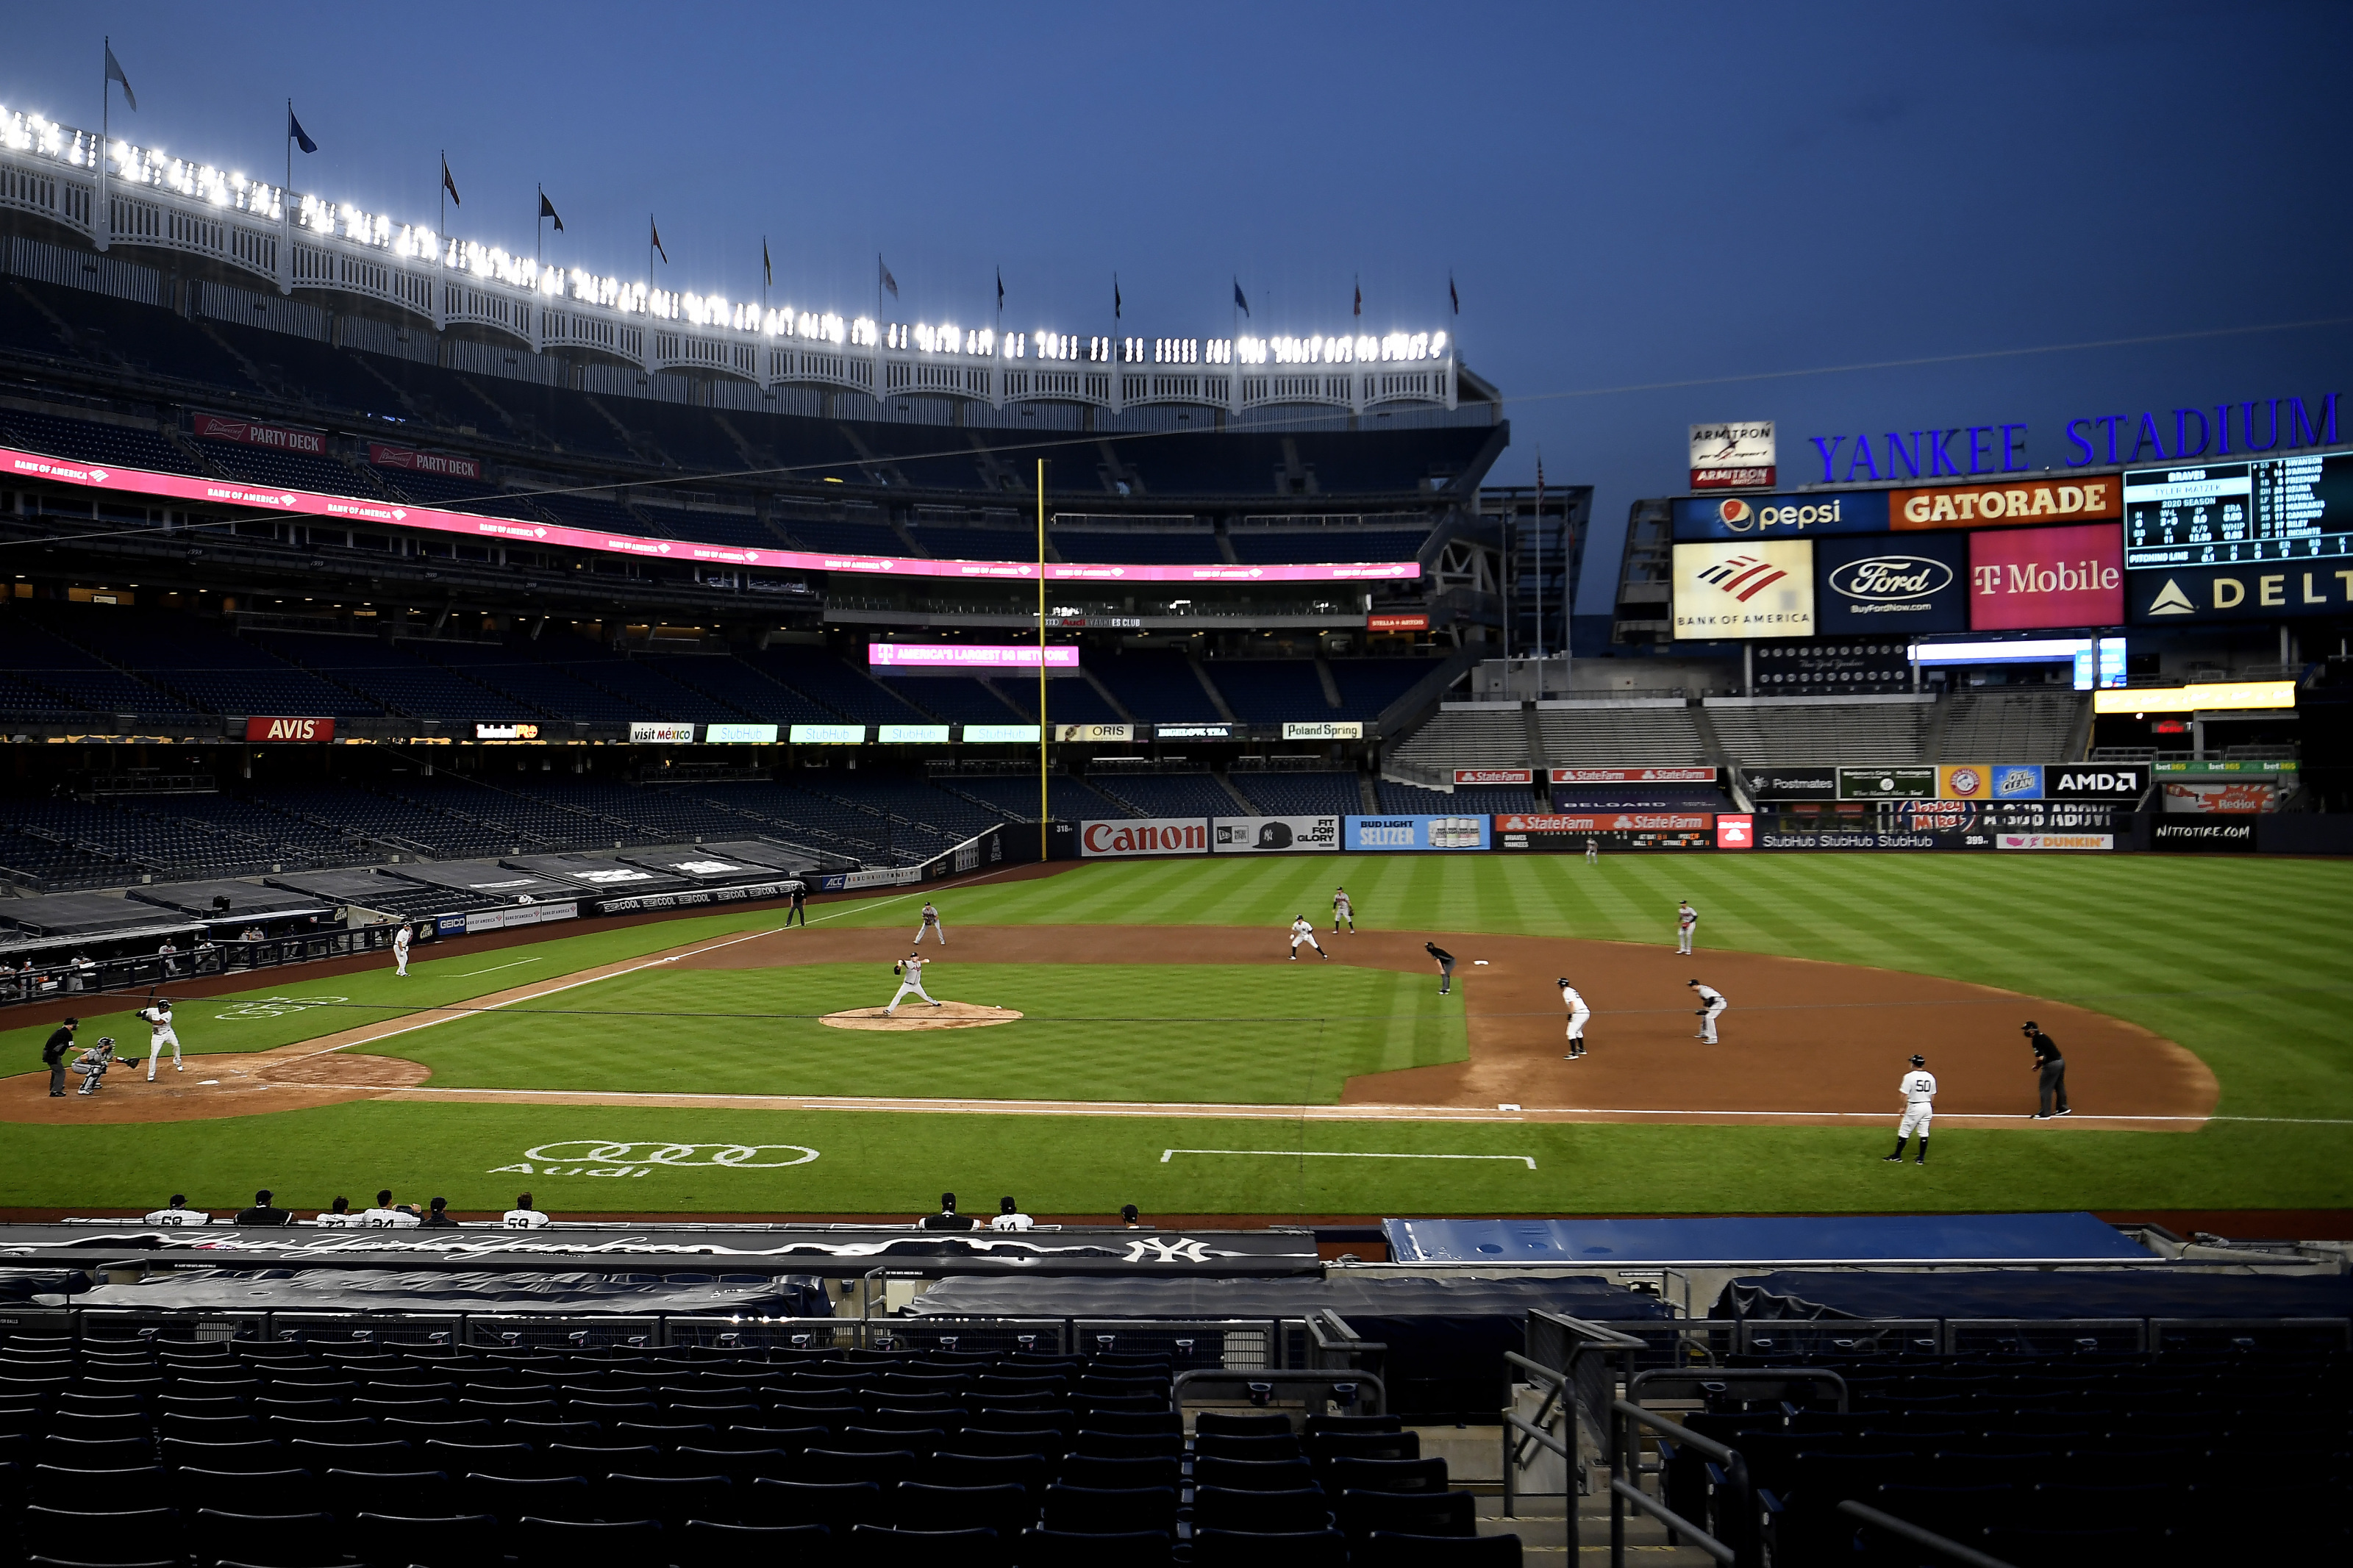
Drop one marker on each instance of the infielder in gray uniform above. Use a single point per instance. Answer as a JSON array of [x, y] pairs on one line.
[[931, 924]]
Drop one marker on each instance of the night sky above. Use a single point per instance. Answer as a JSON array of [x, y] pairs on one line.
[[1626, 195]]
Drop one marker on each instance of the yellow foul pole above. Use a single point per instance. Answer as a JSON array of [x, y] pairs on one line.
[[1041, 660]]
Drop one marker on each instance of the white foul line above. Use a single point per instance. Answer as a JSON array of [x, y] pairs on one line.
[[494, 969], [1343, 1154]]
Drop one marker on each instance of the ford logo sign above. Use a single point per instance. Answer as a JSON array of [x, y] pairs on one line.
[[1879, 578]]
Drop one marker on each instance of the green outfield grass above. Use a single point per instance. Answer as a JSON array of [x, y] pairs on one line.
[[2239, 959]]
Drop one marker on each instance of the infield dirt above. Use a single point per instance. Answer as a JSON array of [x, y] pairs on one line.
[[1802, 1039]]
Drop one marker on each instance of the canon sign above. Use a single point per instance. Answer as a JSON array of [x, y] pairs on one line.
[[1165, 835]]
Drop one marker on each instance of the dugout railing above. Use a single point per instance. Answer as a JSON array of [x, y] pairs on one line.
[[67, 981]]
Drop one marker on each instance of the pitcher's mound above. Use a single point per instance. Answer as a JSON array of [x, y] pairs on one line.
[[923, 1016]]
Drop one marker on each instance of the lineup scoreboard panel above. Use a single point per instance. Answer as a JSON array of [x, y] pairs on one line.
[[1568, 831], [2294, 508]]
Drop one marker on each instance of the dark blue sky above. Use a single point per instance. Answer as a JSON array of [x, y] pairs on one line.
[[1626, 195]]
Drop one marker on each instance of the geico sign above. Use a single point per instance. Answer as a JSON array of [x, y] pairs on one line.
[[1178, 836]]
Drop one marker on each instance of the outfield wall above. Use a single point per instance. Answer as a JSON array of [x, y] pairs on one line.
[[2013, 828]]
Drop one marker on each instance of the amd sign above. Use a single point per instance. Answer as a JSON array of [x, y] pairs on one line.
[[2106, 780]]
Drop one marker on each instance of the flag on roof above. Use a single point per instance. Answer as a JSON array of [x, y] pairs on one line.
[[1115, 301], [767, 267], [294, 129], [1452, 297], [887, 282], [547, 209], [1240, 299], [656, 228], [447, 183], [1360, 297], [114, 73]]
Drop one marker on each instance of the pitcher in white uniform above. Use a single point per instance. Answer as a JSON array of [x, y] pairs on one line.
[[1918, 1089], [400, 949], [909, 970]]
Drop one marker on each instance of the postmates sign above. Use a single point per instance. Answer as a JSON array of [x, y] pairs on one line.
[[1148, 835]]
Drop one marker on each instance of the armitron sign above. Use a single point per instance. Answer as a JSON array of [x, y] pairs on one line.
[[289, 728]]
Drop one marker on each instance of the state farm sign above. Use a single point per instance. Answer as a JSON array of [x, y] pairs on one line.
[[289, 728], [1152, 835], [2022, 578], [1494, 776], [1633, 775]]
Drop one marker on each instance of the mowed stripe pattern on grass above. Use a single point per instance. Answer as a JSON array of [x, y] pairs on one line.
[[2240, 960], [1215, 1033]]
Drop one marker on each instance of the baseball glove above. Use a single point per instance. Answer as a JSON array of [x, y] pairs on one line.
[[898, 969]]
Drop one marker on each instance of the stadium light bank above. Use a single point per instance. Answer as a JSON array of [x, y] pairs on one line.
[[143, 196]]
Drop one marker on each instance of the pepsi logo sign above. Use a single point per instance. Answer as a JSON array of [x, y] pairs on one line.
[[1877, 579]]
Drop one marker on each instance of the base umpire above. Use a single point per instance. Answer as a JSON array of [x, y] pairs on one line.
[[2051, 1068]]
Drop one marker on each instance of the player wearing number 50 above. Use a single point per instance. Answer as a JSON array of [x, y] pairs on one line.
[[1918, 1089], [909, 970]]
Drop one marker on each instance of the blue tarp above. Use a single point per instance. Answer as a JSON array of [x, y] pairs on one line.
[[1835, 1238], [2109, 1293]]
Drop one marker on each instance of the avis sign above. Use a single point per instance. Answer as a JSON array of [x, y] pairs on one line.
[[289, 728]]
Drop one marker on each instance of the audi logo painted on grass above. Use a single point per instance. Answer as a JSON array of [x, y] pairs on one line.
[[609, 1157], [275, 1007]]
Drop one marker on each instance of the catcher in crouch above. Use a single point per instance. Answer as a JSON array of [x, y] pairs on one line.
[[909, 970]]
